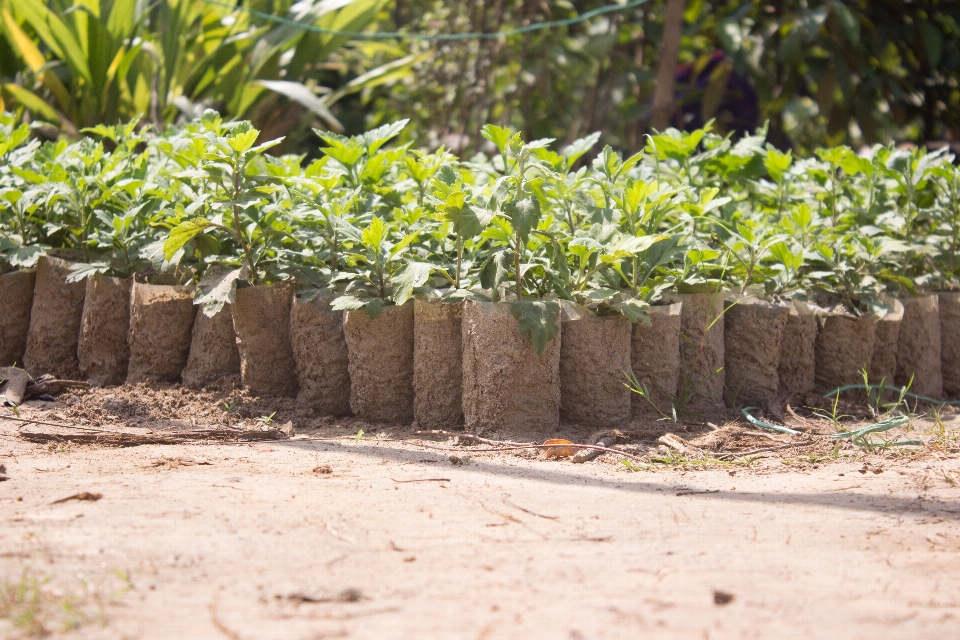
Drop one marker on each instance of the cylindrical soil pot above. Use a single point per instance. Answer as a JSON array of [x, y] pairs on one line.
[[594, 358], [161, 324], [437, 364], [506, 385], [16, 294], [752, 335], [213, 349], [797, 366], [883, 363], [320, 353], [844, 348], [104, 350], [381, 363], [702, 372], [918, 346], [261, 318], [54, 321], [655, 358], [950, 343]]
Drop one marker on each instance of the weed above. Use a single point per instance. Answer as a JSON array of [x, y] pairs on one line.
[[359, 435], [230, 406], [265, 420]]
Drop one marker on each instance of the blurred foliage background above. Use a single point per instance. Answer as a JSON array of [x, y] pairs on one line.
[[820, 72]]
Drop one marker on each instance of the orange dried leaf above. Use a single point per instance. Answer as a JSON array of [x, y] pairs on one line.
[[560, 451]]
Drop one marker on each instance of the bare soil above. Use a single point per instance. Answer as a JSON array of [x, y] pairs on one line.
[[395, 534]]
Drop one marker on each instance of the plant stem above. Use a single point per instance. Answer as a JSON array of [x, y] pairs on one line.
[[236, 222]]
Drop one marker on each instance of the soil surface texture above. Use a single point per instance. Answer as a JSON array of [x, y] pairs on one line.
[[394, 534]]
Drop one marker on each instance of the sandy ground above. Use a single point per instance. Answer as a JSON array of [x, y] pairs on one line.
[[378, 538]]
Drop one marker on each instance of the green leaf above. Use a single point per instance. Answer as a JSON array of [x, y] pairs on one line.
[[499, 136], [524, 215], [573, 151], [182, 234], [376, 138], [413, 275], [241, 142], [633, 310], [538, 318], [218, 287], [348, 303]]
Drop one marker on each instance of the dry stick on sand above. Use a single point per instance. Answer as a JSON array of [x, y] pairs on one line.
[[534, 446], [422, 480], [121, 439], [533, 513], [740, 454]]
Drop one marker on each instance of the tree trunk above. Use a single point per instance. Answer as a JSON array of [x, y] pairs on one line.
[[663, 103]]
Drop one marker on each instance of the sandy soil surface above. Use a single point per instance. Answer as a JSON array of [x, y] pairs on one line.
[[325, 535]]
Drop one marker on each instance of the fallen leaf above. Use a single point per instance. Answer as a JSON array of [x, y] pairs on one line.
[[560, 451], [322, 469], [721, 598]]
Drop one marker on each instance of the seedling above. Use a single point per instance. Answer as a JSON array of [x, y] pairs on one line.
[[266, 419]]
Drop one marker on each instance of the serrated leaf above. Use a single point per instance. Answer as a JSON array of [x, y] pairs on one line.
[[524, 215], [538, 318], [413, 275], [182, 234], [218, 287]]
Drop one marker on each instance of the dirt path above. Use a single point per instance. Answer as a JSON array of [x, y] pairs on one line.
[[234, 541]]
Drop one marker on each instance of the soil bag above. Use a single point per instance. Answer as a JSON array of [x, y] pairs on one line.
[[161, 324], [950, 343], [844, 348], [883, 362], [918, 346], [320, 354], [104, 351], [506, 385], [437, 364], [213, 349], [16, 292], [655, 358], [381, 363], [752, 334], [261, 319], [54, 321], [594, 358], [702, 373], [796, 369]]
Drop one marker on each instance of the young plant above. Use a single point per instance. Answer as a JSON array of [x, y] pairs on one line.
[[376, 273], [223, 172]]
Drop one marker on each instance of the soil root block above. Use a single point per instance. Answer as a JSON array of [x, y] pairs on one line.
[[437, 364], [381, 363], [104, 350], [950, 343], [753, 333], [918, 347], [506, 385], [213, 349], [161, 323], [883, 363], [797, 367], [54, 321], [320, 353], [702, 371], [16, 292], [655, 357], [844, 348], [594, 356], [261, 317]]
